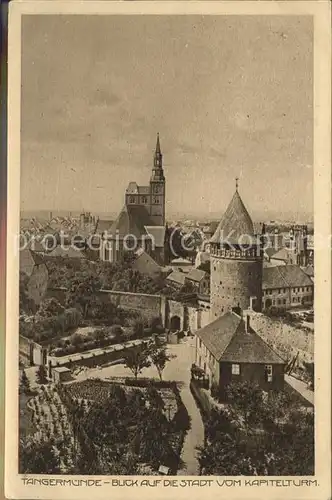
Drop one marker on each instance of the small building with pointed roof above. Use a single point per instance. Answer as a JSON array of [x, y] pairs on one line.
[[229, 350], [236, 261]]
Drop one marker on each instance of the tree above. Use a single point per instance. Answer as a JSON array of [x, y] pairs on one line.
[[26, 303], [25, 383], [83, 290], [49, 308], [42, 375], [38, 458], [137, 359], [246, 399], [160, 358]]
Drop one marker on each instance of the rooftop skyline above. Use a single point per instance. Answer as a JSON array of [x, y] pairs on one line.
[[231, 96]]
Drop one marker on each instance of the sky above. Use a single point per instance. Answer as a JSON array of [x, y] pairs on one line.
[[231, 96]]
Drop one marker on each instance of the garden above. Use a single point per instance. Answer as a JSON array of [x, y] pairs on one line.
[[257, 434], [47, 441]]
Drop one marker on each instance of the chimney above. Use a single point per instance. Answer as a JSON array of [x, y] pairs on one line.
[[247, 323]]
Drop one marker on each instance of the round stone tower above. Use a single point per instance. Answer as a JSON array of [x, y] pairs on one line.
[[236, 262]]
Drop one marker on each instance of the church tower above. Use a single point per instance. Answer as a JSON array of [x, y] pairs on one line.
[[157, 188], [236, 262]]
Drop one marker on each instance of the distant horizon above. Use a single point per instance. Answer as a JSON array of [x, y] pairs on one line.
[[305, 217]]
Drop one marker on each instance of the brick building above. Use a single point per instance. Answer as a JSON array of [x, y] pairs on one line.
[[287, 286], [141, 222], [236, 262], [229, 350]]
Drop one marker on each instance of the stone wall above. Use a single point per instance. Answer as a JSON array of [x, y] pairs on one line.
[[234, 282], [286, 340], [149, 306]]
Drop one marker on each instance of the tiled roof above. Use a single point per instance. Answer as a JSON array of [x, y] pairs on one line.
[[270, 251], [282, 254], [131, 221], [196, 275], [228, 341], [176, 277], [103, 225], [235, 223], [180, 262], [132, 188], [28, 260], [309, 270], [285, 276]]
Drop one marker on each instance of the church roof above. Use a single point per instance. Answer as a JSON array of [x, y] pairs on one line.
[[157, 234], [228, 341], [235, 223], [131, 221]]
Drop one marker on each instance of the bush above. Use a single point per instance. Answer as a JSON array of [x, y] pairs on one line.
[[116, 330], [76, 339]]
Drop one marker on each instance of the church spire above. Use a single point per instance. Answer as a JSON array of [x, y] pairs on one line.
[[157, 170], [158, 157]]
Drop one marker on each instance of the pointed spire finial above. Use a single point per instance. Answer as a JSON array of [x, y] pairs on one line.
[[236, 183], [158, 144]]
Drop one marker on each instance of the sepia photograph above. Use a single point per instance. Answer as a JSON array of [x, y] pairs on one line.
[[166, 303]]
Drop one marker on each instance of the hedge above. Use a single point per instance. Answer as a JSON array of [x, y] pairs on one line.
[[147, 382]]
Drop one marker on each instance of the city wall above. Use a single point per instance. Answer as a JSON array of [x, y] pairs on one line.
[[150, 306], [286, 340]]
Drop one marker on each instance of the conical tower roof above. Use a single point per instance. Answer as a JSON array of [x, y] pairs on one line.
[[236, 225]]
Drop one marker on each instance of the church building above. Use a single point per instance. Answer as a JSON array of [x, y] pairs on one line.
[[141, 222]]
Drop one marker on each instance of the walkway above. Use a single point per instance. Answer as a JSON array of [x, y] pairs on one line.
[[179, 369], [301, 388]]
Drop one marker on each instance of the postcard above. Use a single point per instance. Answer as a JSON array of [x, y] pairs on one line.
[[168, 250]]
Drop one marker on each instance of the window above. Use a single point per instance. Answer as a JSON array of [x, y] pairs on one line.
[[156, 200], [235, 369], [157, 189], [144, 199], [200, 343], [132, 199], [268, 373], [284, 301]]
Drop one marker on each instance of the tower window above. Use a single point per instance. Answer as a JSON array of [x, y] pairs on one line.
[[156, 199], [132, 199], [157, 189]]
